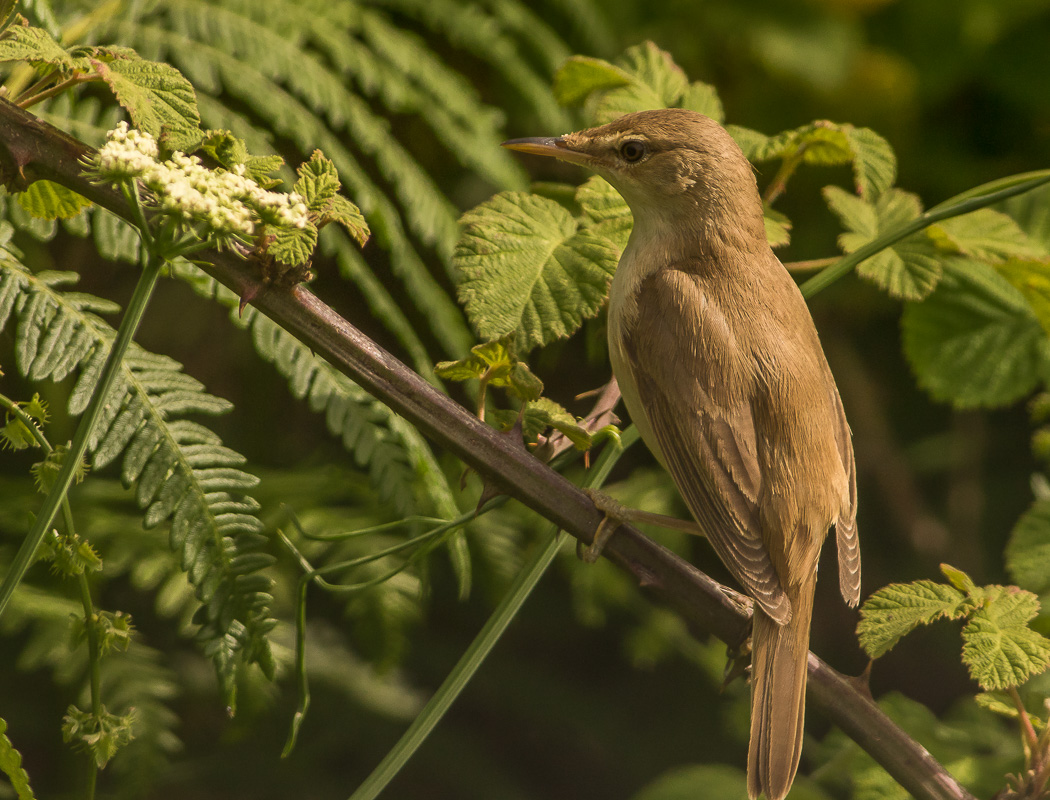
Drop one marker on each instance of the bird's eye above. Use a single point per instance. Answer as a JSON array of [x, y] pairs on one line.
[[633, 150]]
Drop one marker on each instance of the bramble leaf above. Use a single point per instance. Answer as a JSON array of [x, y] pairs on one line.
[[986, 235], [580, 76], [158, 98], [606, 210], [975, 341], [899, 608], [1033, 280], [778, 227], [909, 269], [999, 648], [1028, 551], [36, 46], [524, 267], [828, 144], [46, 200], [495, 363]]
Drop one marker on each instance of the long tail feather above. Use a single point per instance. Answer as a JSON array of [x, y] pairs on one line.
[[778, 696]]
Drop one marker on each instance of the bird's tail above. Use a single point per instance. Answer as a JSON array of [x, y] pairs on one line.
[[778, 696]]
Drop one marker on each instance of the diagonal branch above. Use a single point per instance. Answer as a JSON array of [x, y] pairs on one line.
[[31, 149]]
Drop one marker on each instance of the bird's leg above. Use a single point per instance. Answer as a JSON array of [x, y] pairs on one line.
[[617, 513]]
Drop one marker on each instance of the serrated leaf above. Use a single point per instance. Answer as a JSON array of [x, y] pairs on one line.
[[1032, 278], [607, 211], [899, 608], [11, 766], [1028, 551], [524, 267], [874, 162], [541, 414], [909, 269], [999, 648], [292, 246], [580, 76], [158, 98], [318, 181], [34, 45], [658, 82], [975, 341], [347, 214], [778, 227], [523, 383], [47, 200], [986, 235], [703, 98]]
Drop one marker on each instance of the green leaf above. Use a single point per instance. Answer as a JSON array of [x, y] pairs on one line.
[[899, 608], [959, 579], [292, 246], [11, 766], [909, 269], [1028, 551], [606, 210], [347, 214], [524, 267], [318, 182], [986, 235], [874, 162], [101, 736], [495, 363], [999, 648], [158, 98], [580, 76], [828, 144], [703, 97], [47, 200], [544, 413], [1032, 278], [35, 46], [778, 227], [975, 341], [657, 83]]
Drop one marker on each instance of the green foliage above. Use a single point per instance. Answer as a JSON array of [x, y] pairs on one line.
[[825, 143], [999, 648], [48, 200], [909, 269], [1028, 551], [179, 468], [975, 341], [494, 364], [527, 267], [11, 766]]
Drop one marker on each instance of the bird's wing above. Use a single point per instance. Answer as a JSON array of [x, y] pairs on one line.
[[846, 539], [700, 413]]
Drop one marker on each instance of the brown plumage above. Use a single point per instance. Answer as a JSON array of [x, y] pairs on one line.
[[721, 369]]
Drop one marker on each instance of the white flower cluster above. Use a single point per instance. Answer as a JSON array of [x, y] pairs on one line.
[[226, 201]]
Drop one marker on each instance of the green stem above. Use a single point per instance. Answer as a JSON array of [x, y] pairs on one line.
[[486, 639], [979, 197], [128, 326]]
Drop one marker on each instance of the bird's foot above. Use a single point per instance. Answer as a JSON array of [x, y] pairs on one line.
[[615, 514]]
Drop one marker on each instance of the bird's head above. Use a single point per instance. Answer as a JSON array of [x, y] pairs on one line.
[[671, 163]]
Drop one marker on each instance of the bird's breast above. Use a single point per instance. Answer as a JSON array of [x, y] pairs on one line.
[[622, 317]]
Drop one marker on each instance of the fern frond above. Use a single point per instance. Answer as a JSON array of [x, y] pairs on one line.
[[467, 26], [180, 469]]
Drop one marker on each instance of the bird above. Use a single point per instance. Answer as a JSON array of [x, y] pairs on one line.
[[721, 369]]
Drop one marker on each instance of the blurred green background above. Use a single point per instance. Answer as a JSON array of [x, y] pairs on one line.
[[593, 693]]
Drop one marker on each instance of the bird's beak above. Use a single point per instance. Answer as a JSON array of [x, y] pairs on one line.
[[552, 146]]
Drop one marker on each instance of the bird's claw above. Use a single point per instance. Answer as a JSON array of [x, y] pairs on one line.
[[615, 514]]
